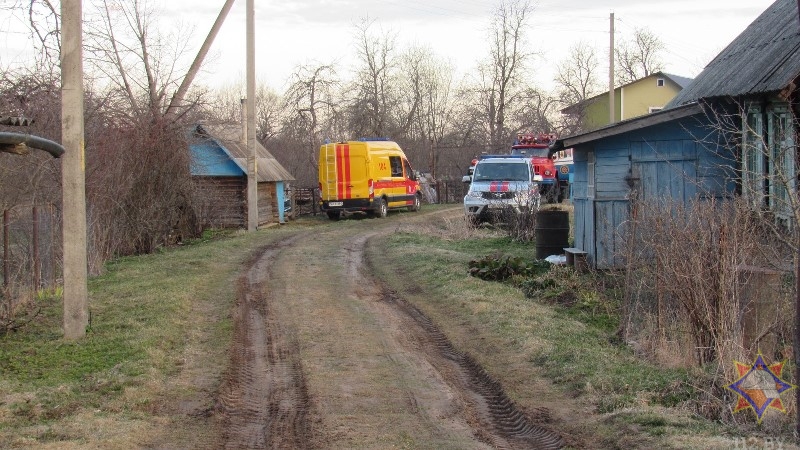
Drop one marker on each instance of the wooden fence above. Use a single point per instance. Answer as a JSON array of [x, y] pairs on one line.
[[305, 200], [31, 242]]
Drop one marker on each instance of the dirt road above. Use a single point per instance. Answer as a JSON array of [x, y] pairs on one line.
[[324, 356]]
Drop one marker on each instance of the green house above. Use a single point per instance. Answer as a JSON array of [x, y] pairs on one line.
[[637, 98]]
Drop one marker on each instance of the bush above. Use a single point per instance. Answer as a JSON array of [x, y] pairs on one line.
[[500, 268]]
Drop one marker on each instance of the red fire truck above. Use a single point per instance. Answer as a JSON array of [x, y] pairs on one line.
[[536, 146]]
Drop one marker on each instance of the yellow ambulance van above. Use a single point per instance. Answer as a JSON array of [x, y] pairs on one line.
[[371, 176]]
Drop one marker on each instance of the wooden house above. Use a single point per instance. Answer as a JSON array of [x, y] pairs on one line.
[[720, 136], [219, 169], [637, 98]]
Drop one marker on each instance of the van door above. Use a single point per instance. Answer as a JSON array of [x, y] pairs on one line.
[[410, 182], [345, 172], [397, 190]]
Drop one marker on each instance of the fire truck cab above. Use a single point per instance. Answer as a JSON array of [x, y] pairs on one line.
[[536, 147]]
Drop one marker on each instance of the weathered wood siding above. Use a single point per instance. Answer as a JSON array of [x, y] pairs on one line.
[[674, 160], [267, 203], [221, 201]]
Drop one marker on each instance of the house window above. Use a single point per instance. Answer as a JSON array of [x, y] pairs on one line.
[[753, 174], [660, 82], [769, 160], [781, 161]]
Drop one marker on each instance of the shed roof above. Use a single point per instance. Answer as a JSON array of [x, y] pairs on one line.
[[636, 123], [765, 57], [229, 138]]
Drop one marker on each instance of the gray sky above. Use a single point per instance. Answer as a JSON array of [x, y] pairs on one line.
[[289, 33], [292, 32]]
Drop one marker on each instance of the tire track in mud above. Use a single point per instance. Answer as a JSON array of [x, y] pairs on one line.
[[497, 420], [267, 400], [264, 400], [507, 426]]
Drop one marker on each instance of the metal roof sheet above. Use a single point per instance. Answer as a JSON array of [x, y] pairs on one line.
[[765, 57], [229, 137]]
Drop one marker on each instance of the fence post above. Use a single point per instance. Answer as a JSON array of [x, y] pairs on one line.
[[5, 248], [314, 201], [37, 275]]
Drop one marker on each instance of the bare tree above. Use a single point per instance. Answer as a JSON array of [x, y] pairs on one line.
[[43, 20], [638, 57], [502, 76], [576, 81], [310, 98], [372, 94], [139, 189], [425, 110], [125, 47], [269, 114], [535, 112]]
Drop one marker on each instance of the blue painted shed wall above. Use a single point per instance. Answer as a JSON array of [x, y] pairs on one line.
[[673, 159], [210, 160], [281, 195]]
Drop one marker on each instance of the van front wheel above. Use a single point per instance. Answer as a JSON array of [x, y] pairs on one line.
[[416, 205]]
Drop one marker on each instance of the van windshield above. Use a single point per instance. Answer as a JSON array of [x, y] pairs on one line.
[[501, 172]]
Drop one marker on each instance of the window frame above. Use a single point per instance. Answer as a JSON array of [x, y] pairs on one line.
[[753, 176], [781, 164], [396, 166]]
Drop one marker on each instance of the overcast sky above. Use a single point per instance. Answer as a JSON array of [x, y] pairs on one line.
[[294, 32]]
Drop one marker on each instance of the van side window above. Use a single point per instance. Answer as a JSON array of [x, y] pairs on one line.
[[396, 165]]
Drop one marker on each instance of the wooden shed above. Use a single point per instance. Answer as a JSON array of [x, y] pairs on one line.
[[656, 155], [219, 169], [682, 151]]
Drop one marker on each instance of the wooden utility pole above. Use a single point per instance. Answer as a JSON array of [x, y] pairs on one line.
[[611, 100], [252, 163], [73, 182]]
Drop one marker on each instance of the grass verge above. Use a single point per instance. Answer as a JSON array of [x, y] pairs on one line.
[[551, 347], [146, 372]]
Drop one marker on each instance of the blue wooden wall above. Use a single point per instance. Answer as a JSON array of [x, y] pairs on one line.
[[684, 159], [208, 159]]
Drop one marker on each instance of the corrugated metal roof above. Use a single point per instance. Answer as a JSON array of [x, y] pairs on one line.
[[765, 57], [229, 137]]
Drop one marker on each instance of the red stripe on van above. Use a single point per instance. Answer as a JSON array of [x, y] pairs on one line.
[[347, 177], [342, 170]]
